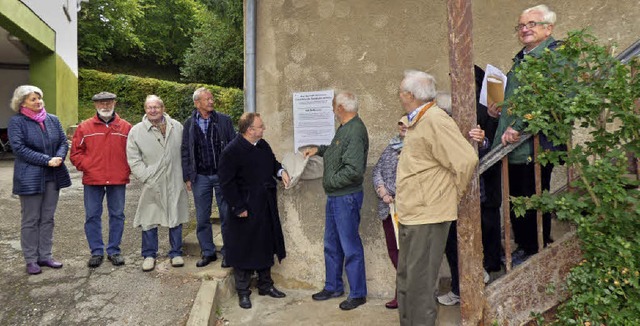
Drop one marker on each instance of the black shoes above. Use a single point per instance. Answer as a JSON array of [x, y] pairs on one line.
[[326, 295], [95, 261], [116, 259], [244, 301], [352, 303], [206, 260], [272, 292]]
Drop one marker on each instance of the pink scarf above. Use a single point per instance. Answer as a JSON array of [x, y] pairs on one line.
[[35, 116]]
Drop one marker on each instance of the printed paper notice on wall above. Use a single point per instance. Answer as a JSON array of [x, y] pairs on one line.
[[313, 120]]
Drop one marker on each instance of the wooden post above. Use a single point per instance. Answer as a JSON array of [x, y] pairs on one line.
[[506, 212], [538, 179], [464, 112]]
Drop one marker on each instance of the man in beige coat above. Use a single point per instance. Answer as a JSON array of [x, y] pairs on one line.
[[434, 170], [153, 153]]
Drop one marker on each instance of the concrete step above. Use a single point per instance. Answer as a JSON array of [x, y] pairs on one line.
[[191, 246]]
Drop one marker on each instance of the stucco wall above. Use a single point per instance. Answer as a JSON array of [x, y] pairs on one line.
[[364, 46]]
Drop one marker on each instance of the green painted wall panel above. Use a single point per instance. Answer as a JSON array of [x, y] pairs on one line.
[[21, 22]]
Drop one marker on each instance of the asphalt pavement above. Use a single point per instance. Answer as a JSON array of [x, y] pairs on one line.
[[76, 294]]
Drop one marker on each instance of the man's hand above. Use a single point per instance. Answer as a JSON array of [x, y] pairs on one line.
[[243, 214], [493, 110], [510, 136], [387, 199], [477, 134], [285, 178], [188, 185], [310, 151]]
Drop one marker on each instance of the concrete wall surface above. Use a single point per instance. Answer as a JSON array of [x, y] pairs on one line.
[[364, 46]]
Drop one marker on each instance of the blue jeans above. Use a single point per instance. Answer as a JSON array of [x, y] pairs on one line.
[[204, 189], [342, 245], [150, 242], [93, 197]]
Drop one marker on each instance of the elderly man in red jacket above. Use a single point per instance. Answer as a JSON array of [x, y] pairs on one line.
[[99, 151]]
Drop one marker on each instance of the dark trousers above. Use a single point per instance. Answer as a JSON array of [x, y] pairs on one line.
[[390, 237], [490, 217], [243, 280], [491, 237], [522, 183]]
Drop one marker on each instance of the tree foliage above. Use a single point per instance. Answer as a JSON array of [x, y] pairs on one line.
[[200, 39], [106, 27], [168, 29], [580, 85], [215, 56]]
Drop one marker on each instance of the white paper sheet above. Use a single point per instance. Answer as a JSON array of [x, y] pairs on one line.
[[313, 119]]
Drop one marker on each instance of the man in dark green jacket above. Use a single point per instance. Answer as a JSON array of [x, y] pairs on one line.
[[534, 32], [345, 161]]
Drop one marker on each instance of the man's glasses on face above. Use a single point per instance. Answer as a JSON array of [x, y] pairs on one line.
[[528, 25]]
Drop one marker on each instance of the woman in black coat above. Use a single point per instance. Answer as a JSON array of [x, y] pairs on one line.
[[40, 147]]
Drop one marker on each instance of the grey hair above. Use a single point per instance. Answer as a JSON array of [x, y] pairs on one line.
[[443, 101], [198, 92], [153, 98], [420, 84], [348, 101], [21, 93], [547, 15]]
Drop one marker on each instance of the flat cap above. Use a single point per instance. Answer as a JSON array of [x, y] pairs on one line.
[[104, 96]]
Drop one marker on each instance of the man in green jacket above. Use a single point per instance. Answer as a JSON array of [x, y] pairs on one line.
[[534, 32], [345, 161]]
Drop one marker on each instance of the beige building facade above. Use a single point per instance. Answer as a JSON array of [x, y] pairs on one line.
[[364, 46]]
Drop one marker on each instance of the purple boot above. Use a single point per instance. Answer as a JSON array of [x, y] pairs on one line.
[[50, 263], [33, 268]]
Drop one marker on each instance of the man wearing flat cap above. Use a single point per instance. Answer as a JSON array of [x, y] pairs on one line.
[[98, 150]]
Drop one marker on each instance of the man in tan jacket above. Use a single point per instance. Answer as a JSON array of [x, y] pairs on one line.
[[434, 170]]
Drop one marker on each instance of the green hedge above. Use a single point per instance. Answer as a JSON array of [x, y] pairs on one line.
[[132, 91]]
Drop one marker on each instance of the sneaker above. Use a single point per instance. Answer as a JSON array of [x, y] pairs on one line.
[[448, 299], [116, 259], [148, 264], [95, 261], [487, 277], [177, 261]]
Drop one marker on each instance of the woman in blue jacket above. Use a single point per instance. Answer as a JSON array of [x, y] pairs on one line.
[[40, 146]]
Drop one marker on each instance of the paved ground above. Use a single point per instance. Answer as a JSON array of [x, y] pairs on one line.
[[299, 309], [76, 295]]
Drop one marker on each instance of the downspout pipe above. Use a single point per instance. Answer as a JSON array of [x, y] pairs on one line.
[[250, 57]]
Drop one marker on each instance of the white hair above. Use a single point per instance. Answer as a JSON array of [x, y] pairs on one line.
[[348, 101], [198, 92], [420, 84], [547, 15], [21, 93], [443, 101], [154, 98]]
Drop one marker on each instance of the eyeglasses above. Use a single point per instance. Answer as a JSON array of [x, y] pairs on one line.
[[155, 107], [529, 25]]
